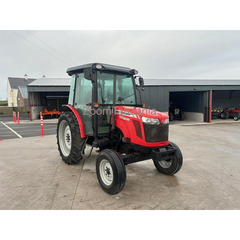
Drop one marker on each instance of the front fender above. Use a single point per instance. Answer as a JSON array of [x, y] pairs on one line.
[[123, 126]]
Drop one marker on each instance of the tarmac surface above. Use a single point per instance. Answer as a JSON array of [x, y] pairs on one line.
[[26, 128], [33, 176]]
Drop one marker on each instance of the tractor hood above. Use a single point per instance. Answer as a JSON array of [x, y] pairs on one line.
[[137, 112]]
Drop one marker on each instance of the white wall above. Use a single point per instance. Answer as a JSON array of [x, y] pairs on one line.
[[11, 95]]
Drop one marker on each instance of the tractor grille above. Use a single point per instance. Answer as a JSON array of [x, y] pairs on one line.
[[156, 133]]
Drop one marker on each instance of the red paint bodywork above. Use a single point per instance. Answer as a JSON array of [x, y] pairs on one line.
[[80, 123], [235, 111], [210, 108], [125, 124], [232, 111]]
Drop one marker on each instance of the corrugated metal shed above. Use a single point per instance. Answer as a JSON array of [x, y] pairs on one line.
[[147, 82], [191, 82], [51, 82]]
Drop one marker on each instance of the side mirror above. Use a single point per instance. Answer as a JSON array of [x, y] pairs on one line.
[[87, 73], [141, 81]]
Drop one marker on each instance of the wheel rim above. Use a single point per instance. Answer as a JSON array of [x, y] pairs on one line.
[[65, 138], [106, 172], [165, 163]]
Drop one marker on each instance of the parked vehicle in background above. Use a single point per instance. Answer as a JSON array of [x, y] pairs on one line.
[[230, 113], [175, 113]]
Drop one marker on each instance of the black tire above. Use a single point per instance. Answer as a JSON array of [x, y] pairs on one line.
[[113, 181], [170, 167], [71, 148], [224, 115], [236, 116], [171, 117]]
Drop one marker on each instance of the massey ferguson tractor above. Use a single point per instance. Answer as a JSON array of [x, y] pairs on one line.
[[103, 112]]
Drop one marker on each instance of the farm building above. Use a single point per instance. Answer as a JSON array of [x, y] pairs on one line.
[[13, 85], [197, 99]]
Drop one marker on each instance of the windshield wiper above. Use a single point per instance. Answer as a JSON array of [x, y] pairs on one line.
[[120, 99]]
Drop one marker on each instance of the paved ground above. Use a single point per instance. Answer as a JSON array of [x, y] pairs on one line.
[[10, 118], [26, 128], [32, 175]]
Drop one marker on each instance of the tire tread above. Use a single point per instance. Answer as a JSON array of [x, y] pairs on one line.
[[78, 143]]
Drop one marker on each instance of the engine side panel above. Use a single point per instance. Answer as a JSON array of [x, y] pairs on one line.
[[132, 128]]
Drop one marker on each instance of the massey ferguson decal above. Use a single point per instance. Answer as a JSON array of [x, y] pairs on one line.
[[124, 118]]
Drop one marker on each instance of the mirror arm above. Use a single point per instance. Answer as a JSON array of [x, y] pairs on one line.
[[140, 96]]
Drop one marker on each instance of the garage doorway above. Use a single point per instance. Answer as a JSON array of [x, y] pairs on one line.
[[224, 99], [41, 101], [187, 105]]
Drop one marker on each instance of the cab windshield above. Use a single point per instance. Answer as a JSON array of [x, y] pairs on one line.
[[125, 92]]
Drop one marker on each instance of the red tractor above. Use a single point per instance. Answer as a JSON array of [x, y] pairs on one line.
[[102, 112], [230, 113]]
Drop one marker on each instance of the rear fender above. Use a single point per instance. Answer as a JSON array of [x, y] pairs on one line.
[[80, 123]]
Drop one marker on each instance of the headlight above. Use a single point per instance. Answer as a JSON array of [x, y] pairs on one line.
[[151, 120], [166, 121]]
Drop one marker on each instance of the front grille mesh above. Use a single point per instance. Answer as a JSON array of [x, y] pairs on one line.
[[156, 133]]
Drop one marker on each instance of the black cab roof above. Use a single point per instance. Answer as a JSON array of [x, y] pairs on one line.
[[101, 66]]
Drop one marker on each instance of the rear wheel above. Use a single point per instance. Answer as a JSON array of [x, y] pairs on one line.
[[224, 115], [171, 166], [70, 143], [111, 171]]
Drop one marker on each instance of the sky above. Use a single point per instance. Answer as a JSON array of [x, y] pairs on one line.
[[155, 54]]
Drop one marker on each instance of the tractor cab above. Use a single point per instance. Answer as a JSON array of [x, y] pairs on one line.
[[103, 112], [96, 90]]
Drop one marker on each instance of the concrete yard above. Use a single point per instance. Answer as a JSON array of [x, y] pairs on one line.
[[33, 176]]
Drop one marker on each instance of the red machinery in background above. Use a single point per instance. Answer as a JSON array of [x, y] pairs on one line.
[[230, 113], [51, 114]]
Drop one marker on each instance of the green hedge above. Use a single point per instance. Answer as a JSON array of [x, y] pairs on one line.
[[3, 103]]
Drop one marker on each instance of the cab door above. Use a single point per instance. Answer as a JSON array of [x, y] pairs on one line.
[[82, 101], [105, 100]]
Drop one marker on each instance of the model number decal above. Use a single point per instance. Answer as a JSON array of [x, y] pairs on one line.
[[124, 118]]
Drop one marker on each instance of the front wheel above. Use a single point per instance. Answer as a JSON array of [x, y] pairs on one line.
[[171, 166], [236, 117], [111, 171]]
